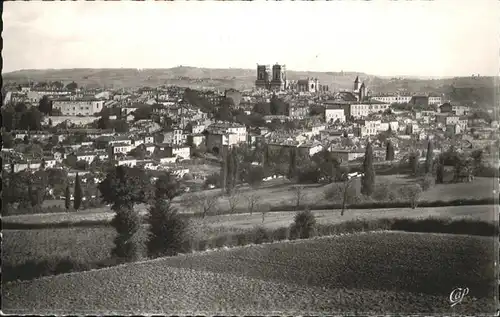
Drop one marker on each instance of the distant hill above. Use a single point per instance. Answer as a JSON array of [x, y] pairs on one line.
[[192, 77], [237, 78]]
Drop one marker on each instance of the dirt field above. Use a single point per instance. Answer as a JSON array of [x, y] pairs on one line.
[[369, 273]]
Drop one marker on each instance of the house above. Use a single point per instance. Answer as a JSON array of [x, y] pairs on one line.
[[390, 99], [446, 119], [384, 126], [453, 129], [175, 136], [454, 109], [120, 148], [215, 142], [78, 107], [127, 161], [310, 148], [88, 157], [367, 127], [240, 131], [345, 156], [170, 150], [104, 142], [69, 120], [167, 160], [316, 129], [197, 128], [334, 114], [298, 112], [195, 139]]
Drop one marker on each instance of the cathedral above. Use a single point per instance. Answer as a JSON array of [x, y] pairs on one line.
[[271, 80], [275, 79]]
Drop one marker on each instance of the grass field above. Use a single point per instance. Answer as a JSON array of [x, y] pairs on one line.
[[374, 272], [278, 193]]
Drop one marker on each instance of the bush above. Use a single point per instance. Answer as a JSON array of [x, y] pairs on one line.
[[383, 192], [261, 235], [309, 175], [280, 234], [304, 225], [410, 193], [335, 193], [243, 239], [167, 230], [427, 182]]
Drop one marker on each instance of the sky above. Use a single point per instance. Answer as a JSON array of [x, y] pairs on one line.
[[386, 38]]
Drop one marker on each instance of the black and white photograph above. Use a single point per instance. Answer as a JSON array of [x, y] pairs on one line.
[[252, 158]]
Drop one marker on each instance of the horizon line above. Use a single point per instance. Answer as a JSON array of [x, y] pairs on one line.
[[242, 68]]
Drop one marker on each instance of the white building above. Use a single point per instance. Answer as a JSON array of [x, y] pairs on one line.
[[82, 107], [334, 114]]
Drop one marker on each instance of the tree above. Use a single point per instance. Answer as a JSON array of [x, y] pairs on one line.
[[77, 193], [120, 126], [412, 193], [440, 171], [429, 157], [254, 176], [368, 179], [389, 152], [143, 112], [304, 225], [299, 195], [252, 201], [67, 198], [138, 152], [203, 202], [477, 156], [167, 228], [72, 86], [413, 161], [167, 187], [327, 163], [45, 105], [292, 166], [232, 170], [233, 200], [384, 193], [7, 140], [123, 187]]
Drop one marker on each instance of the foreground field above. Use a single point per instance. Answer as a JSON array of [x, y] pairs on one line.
[[378, 272]]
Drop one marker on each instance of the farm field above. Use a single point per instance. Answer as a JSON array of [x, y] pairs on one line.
[[276, 193], [372, 272], [90, 244]]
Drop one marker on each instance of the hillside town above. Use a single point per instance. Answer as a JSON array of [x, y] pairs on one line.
[[52, 125]]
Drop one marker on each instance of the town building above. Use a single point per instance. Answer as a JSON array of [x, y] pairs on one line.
[[334, 114], [78, 107]]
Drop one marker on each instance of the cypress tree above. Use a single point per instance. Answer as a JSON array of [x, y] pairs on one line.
[[292, 168], [428, 158], [440, 171], [368, 179], [413, 160], [389, 152], [77, 193], [67, 200]]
